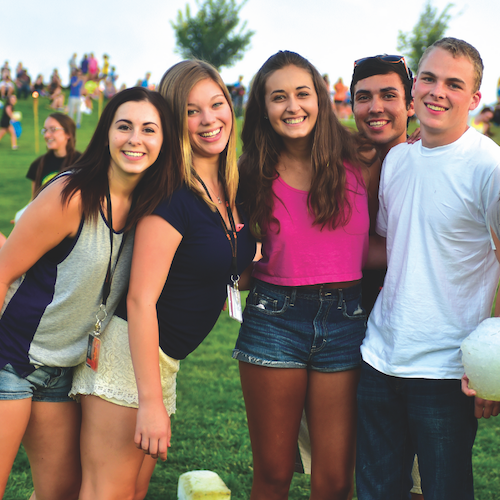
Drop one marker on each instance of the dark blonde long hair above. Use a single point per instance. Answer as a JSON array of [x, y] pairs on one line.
[[332, 144], [175, 86]]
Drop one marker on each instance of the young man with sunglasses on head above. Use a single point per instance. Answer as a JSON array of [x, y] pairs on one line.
[[381, 100], [440, 283], [382, 104]]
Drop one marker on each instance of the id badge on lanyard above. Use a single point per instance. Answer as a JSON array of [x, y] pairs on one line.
[[94, 343], [233, 292], [234, 301]]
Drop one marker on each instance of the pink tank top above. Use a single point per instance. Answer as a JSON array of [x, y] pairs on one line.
[[303, 254]]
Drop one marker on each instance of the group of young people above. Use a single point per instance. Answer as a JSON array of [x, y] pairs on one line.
[[121, 265]]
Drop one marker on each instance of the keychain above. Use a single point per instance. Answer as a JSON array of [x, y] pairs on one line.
[[94, 344]]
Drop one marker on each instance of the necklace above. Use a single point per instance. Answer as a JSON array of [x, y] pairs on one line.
[[219, 201], [216, 195]]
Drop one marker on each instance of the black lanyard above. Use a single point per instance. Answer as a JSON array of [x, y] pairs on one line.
[[232, 235], [106, 289]]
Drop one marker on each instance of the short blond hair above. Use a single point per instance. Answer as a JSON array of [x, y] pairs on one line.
[[459, 48]]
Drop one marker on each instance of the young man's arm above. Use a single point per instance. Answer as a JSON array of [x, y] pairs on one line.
[[377, 253]]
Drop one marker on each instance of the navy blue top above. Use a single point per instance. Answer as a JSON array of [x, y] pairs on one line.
[[195, 290]]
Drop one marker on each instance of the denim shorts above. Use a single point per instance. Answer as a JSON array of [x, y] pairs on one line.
[[46, 384], [298, 327]]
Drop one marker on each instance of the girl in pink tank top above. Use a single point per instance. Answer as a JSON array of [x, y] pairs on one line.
[[303, 324]]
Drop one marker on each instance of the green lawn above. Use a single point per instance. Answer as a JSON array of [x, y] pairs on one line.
[[209, 429]]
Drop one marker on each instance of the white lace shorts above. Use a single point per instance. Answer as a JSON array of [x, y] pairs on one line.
[[115, 379]]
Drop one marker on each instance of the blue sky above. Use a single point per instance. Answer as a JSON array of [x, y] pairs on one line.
[[139, 38]]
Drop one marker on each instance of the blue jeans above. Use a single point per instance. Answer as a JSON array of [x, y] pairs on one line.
[[398, 417]]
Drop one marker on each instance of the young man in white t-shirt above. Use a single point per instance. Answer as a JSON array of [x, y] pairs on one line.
[[441, 279]]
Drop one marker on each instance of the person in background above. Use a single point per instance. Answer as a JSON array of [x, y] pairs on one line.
[[55, 91], [57, 98], [238, 93], [39, 86], [340, 97], [93, 67], [145, 82], [84, 65], [105, 66], [75, 96], [5, 121], [59, 132], [7, 86], [326, 79], [23, 84], [73, 65], [5, 70], [112, 75], [109, 89], [482, 121], [55, 80]]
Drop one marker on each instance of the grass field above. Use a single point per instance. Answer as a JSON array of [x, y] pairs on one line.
[[209, 429]]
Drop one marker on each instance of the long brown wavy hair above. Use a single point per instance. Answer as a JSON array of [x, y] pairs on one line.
[[90, 172], [332, 144]]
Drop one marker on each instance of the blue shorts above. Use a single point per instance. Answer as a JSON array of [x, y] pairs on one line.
[[46, 384], [298, 327]]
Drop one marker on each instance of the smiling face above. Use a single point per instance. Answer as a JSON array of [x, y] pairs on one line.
[[444, 94], [135, 138], [291, 103], [380, 109], [55, 136], [210, 120]]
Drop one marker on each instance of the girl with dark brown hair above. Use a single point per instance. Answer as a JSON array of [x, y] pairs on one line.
[[65, 264]]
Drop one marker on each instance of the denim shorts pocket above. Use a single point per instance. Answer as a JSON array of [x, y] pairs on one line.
[[265, 303], [353, 310]]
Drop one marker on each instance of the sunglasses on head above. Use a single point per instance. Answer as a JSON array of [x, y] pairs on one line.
[[387, 58]]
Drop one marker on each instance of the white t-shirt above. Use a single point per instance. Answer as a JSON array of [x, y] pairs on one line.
[[442, 271]]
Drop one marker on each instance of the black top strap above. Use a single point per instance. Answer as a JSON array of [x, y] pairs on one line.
[[106, 289]]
